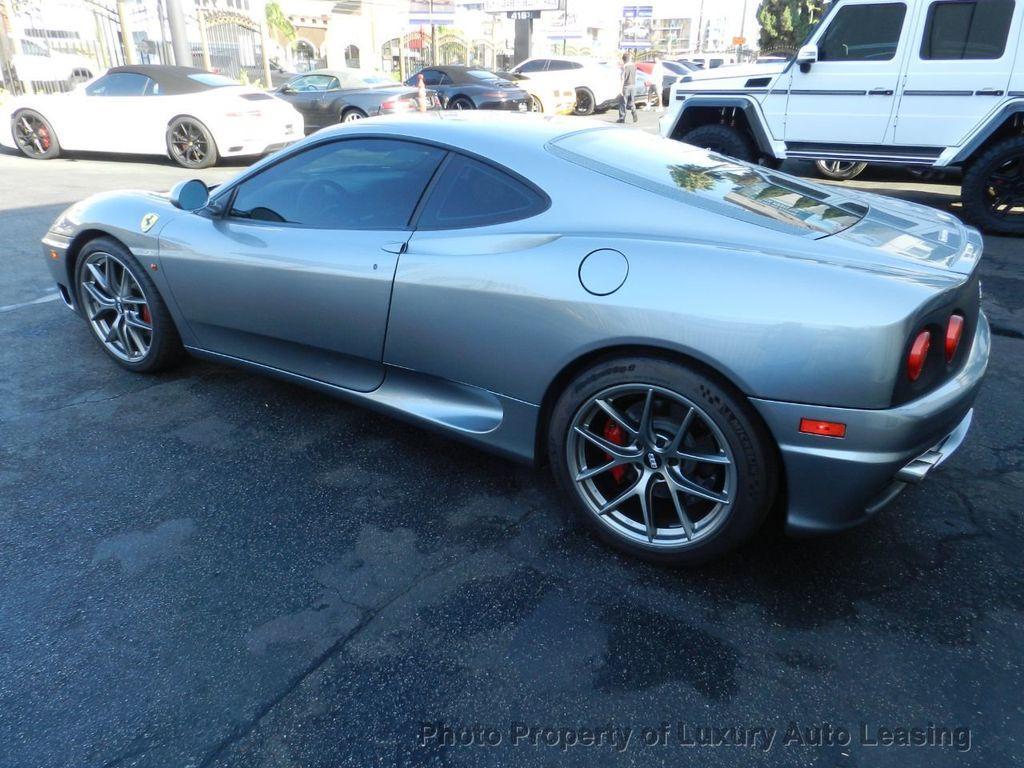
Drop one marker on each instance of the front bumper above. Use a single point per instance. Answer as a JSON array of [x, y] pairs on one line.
[[833, 484]]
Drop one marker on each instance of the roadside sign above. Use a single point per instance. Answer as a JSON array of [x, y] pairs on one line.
[[739, 41]]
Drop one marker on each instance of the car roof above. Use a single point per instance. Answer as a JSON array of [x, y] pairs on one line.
[[171, 79], [459, 73]]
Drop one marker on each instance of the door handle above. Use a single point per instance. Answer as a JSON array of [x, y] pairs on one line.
[[880, 92], [988, 92]]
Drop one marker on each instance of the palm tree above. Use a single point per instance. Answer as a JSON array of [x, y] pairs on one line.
[[278, 22]]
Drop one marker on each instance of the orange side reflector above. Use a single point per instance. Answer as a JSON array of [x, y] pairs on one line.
[[823, 428]]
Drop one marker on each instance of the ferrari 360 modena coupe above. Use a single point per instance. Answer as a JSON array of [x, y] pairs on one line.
[[690, 342]]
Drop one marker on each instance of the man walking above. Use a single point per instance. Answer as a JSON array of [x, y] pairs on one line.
[[628, 92]]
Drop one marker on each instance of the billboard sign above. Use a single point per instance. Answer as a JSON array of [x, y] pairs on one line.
[[635, 28], [437, 12], [504, 6]]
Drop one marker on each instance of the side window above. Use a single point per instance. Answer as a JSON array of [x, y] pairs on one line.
[[353, 184], [556, 65], [474, 194], [313, 83], [430, 77], [966, 30], [537, 65], [121, 84], [863, 33]]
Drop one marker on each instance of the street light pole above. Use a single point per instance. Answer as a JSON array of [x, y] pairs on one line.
[[179, 34], [433, 37]]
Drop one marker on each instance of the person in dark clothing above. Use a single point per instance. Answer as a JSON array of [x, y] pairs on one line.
[[628, 91]]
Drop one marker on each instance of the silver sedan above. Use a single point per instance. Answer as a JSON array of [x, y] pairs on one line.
[[694, 345]]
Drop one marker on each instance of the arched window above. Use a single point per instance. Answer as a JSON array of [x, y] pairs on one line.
[[352, 56]]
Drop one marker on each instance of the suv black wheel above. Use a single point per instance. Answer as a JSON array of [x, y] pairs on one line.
[[661, 460], [585, 102], [722, 139], [993, 188]]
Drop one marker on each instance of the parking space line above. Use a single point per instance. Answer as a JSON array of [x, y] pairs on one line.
[[40, 300]]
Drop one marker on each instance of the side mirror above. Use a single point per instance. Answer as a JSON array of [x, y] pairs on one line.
[[190, 195], [806, 56], [286, 88]]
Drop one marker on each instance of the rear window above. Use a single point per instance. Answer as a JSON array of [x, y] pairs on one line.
[[212, 80], [714, 182], [966, 30]]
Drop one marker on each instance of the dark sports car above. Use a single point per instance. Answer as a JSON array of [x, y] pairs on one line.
[[473, 88], [329, 96]]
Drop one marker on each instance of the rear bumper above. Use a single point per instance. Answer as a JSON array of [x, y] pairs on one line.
[[833, 484], [259, 141]]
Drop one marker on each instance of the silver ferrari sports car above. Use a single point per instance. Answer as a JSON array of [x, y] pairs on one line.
[[691, 343]]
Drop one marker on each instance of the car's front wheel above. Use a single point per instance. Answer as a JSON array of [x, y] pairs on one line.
[[190, 143], [839, 169], [723, 139], [585, 102], [124, 309], [992, 189], [34, 135], [662, 460]]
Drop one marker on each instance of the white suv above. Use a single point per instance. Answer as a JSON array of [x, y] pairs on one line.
[[595, 81], [928, 83]]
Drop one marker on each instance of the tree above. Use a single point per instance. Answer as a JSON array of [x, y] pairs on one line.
[[785, 24], [278, 22]]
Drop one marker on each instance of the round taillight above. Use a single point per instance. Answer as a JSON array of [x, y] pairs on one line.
[[954, 331], [918, 354]]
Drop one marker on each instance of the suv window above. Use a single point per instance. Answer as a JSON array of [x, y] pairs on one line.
[[537, 65], [863, 33], [966, 30], [122, 84], [474, 194], [562, 65], [351, 184]]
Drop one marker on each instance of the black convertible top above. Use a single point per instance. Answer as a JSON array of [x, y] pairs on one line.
[[460, 74], [176, 80]]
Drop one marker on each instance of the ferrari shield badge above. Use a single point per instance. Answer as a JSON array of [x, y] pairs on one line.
[[148, 221]]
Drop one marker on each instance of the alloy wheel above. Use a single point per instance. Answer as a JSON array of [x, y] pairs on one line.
[[351, 117], [116, 307], [1004, 194], [189, 144], [651, 465], [32, 135], [839, 166]]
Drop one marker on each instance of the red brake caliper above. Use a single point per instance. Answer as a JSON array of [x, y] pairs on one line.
[[613, 433], [44, 137], [144, 314]]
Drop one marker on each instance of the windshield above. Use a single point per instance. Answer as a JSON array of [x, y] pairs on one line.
[[212, 80], [683, 172]]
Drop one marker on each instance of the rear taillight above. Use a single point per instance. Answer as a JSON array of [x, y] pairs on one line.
[[918, 354], [954, 331], [396, 105]]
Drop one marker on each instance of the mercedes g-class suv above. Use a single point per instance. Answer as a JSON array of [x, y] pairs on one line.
[[926, 83]]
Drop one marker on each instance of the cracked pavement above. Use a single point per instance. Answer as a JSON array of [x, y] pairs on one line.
[[208, 568]]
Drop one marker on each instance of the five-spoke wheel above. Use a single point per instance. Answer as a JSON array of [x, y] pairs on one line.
[[124, 309], [663, 460]]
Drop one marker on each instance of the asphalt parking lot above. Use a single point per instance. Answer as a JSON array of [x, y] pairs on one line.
[[208, 568]]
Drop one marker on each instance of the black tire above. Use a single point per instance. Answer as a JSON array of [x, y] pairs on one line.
[[586, 104], [352, 115], [37, 141], [982, 193], [165, 349], [461, 102], [536, 105], [748, 441], [839, 169], [722, 139], [190, 143]]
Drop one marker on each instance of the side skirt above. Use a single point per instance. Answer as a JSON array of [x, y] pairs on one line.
[[477, 416]]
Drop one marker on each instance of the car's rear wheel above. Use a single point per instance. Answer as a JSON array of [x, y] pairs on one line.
[[461, 102], [993, 188], [124, 309], [352, 115], [661, 460], [190, 143], [722, 139], [34, 135], [585, 102], [538, 105], [839, 169]]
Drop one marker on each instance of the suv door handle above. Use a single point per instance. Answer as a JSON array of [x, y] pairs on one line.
[[880, 92], [988, 92]]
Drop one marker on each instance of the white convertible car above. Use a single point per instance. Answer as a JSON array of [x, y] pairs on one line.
[[193, 116]]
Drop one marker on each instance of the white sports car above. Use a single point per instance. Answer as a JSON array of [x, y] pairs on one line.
[[193, 116]]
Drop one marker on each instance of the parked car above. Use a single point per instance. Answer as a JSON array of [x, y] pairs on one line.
[[195, 117], [329, 96], [925, 83], [472, 88], [687, 340], [36, 62], [545, 97], [595, 81]]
